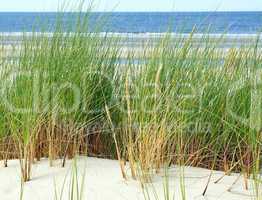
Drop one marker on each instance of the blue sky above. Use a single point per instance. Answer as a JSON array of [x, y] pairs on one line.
[[139, 5]]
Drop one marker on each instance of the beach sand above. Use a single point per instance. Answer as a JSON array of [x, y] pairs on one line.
[[103, 181]]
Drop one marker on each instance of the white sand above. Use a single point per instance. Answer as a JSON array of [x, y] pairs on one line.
[[103, 182]]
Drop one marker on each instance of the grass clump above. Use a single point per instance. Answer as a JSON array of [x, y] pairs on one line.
[[192, 104], [53, 98]]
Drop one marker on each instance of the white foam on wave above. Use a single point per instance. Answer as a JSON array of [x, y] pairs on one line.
[[142, 35]]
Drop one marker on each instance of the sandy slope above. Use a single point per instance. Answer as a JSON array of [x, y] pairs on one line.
[[103, 182]]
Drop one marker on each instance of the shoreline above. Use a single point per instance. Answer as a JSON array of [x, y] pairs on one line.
[[145, 34], [140, 40]]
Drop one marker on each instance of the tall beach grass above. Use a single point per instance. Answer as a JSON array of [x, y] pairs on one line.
[[179, 102]]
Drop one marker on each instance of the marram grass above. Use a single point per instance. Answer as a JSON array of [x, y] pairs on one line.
[[177, 102]]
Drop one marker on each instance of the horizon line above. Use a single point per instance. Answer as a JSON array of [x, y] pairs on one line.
[[179, 11]]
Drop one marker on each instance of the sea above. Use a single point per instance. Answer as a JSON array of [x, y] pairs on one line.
[[138, 22]]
